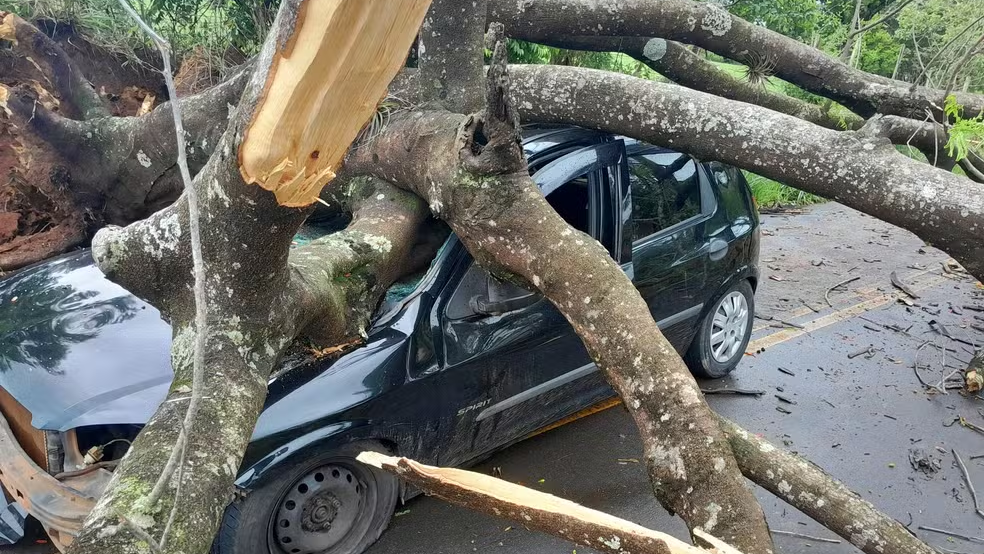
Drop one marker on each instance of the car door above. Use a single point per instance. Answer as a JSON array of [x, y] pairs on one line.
[[509, 352], [671, 204]]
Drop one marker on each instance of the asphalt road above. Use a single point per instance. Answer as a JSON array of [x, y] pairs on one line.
[[857, 417]]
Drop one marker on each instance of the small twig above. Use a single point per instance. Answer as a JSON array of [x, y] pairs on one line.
[[969, 425], [786, 371], [977, 540], [786, 400], [141, 534], [826, 295], [866, 350], [915, 367], [945, 48], [802, 536], [782, 321], [201, 307], [177, 495], [879, 21], [955, 69], [741, 392], [970, 484]]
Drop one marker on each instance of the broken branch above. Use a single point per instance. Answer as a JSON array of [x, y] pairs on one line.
[[535, 509], [802, 536], [970, 484]]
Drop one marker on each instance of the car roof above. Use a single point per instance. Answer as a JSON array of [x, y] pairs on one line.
[[539, 139]]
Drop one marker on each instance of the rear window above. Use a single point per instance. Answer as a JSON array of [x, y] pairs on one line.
[[665, 191]]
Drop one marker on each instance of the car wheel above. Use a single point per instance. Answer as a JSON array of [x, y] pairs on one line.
[[723, 335], [326, 504]]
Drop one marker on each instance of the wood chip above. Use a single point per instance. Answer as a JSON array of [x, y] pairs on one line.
[[899, 284]]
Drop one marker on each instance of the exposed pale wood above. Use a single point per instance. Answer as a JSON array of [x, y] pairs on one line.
[[322, 88], [539, 510]]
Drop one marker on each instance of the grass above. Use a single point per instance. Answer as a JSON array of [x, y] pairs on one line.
[[770, 194]]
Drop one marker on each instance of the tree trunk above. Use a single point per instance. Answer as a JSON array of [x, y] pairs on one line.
[[171, 488]]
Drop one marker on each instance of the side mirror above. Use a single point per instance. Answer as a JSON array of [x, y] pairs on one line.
[[501, 297], [482, 304]]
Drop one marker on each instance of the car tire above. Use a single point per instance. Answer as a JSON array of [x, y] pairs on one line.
[[328, 503], [713, 355]]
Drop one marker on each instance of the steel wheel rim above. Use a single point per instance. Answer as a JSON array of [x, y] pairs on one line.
[[330, 507], [729, 323]]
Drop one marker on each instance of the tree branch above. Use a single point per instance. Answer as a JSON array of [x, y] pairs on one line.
[[859, 169], [450, 54], [711, 27], [200, 302], [259, 299], [809, 489], [538, 510], [71, 84], [944, 49], [880, 20], [677, 63]]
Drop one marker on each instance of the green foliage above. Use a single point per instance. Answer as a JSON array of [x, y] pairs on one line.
[[966, 134], [217, 26], [800, 19], [879, 52], [526, 52], [769, 193], [933, 25]]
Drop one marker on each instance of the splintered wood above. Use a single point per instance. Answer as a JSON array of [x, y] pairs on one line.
[[539, 510], [323, 86]]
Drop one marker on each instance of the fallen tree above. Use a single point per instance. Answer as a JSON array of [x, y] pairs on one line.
[[457, 153]]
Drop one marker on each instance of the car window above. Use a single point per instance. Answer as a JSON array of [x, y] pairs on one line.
[[665, 191], [571, 201], [729, 184]]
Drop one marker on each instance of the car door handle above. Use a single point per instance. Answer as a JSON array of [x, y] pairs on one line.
[[717, 250]]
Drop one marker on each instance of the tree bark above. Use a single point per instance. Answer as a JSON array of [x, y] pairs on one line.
[[807, 488], [859, 169], [260, 294], [678, 64], [710, 26], [451, 58], [483, 190]]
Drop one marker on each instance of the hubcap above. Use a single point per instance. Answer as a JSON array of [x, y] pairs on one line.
[[728, 327], [320, 511]]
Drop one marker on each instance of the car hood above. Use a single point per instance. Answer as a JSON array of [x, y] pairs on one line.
[[61, 327]]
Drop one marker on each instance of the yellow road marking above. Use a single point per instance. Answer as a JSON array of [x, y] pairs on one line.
[[599, 407], [865, 293], [835, 317], [779, 337]]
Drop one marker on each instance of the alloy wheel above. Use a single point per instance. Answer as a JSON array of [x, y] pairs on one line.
[[728, 327]]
